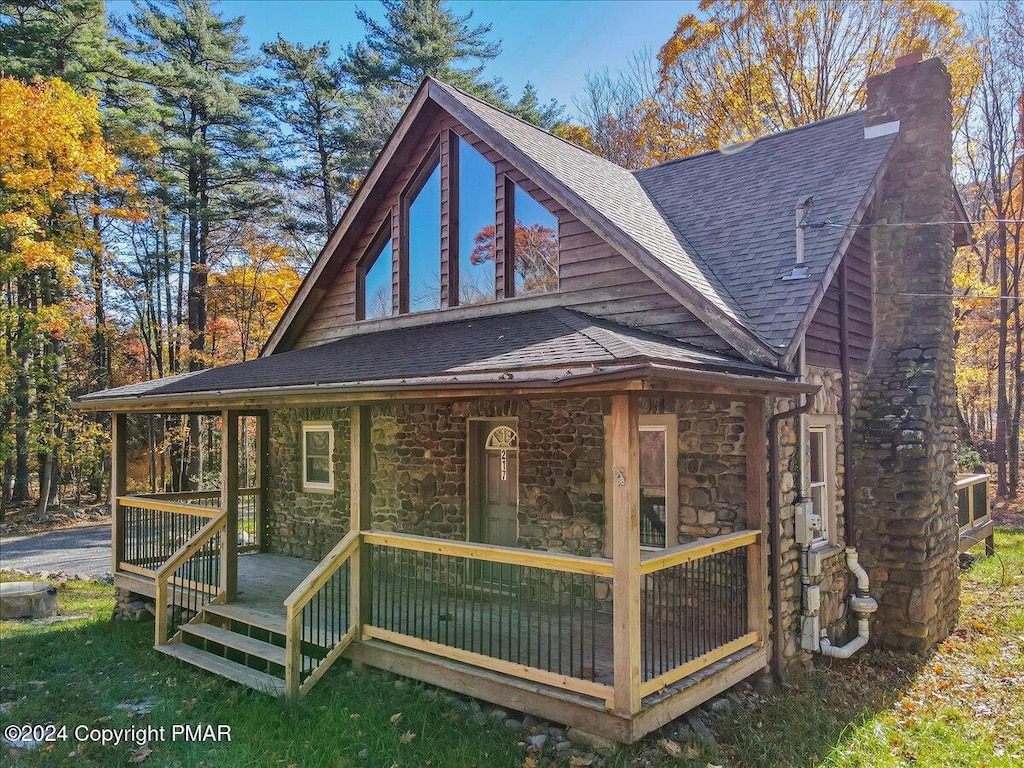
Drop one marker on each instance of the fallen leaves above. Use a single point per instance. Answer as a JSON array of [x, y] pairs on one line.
[[140, 754], [671, 747]]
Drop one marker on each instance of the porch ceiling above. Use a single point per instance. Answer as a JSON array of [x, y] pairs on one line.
[[552, 347]]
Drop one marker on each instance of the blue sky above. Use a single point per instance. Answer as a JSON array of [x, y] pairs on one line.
[[553, 44]]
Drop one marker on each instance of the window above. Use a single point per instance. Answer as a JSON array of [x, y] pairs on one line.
[[820, 476], [659, 481], [653, 487], [476, 253], [535, 246], [373, 289], [317, 456], [424, 241]]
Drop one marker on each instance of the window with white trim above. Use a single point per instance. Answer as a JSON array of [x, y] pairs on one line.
[[821, 451], [317, 456], [658, 441]]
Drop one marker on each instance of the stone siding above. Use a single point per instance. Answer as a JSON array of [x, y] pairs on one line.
[[905, 428], [419, 469], [711, 465], [304, 523]]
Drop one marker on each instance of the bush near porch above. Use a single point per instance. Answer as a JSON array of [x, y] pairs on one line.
[[961, 706]]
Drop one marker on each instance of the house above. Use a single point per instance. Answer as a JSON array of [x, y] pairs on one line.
[[592, 443]]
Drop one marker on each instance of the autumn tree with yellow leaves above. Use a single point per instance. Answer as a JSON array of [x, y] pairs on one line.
[[54, 165]]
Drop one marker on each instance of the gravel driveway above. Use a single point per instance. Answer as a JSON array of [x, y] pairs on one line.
[[83, 550]]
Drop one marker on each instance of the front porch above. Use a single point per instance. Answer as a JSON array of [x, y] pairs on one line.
[[611, 645], [476, 622]]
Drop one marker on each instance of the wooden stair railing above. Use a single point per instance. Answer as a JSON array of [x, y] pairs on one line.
[[319, 618], [191, 578]]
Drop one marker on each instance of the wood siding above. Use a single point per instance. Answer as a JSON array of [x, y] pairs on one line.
[[823, 336], [593, 276]]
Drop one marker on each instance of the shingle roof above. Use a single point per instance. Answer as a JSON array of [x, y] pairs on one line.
[[737, 212], [554, 338], [609, 189], [724, 223]]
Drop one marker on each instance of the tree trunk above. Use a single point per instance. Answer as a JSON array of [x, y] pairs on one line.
[[23, 408], [1002, 400]]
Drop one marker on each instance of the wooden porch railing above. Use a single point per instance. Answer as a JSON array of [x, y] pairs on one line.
[[973, 513], [542, 616], [151, 530], [318, 622], [694, 607], [153, 525], [192, 577]]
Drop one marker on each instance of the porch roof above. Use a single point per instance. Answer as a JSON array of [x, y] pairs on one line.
[[553, 346]]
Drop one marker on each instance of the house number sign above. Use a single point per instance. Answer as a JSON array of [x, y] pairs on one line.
[[502, 439]]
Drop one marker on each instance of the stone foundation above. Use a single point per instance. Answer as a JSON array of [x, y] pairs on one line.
[[130, 606]]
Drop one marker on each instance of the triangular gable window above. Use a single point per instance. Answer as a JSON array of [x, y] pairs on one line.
[[535, 246], [374, 295], [423, 252], [454, 243]]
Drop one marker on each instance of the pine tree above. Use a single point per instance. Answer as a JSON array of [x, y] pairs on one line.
[[208, 132], [309, 99]]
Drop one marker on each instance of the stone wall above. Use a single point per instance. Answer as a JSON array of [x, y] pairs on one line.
[[711, 465], [905, 468], [419, 469], [305, 523]]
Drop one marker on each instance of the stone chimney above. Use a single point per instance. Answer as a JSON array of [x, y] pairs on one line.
[[904, 465]]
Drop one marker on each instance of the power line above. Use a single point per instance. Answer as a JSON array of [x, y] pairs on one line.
[[950, 296], [834, 225]]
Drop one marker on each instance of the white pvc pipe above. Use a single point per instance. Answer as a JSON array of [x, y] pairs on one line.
[[857, 570], [846, 651], [862, 606]]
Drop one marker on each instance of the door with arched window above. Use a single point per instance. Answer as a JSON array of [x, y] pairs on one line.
[[494, 480]]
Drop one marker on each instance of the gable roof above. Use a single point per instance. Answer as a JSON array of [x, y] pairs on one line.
[[716, 230], [738, 212], [553, 345]]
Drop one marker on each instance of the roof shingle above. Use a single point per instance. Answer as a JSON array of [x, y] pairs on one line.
[[554, 338]]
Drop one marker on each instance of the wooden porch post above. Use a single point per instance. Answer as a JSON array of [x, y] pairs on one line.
[[625, 452], [755, 432], [359, 514], [118, 435], [229, 502], [262, 473]]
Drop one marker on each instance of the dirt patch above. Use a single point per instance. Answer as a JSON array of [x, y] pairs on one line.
[[1009, 512], [22, 521]]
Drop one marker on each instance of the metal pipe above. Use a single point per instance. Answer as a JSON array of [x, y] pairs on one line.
[[847, 408], [774, 505]]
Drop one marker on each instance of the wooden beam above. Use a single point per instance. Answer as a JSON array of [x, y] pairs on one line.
[[755, 437], [118, 439], [543, 676], [699, 663], [262, 474], [160, 505], [360, 518], [695, 550], [229, 503], [625, 447], [492, 553]]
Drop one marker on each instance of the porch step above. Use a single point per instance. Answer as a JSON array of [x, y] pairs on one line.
[[237, 641], [239, 673], [239, 613]]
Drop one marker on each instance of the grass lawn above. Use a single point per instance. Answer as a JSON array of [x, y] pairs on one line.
[[962, 706]]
